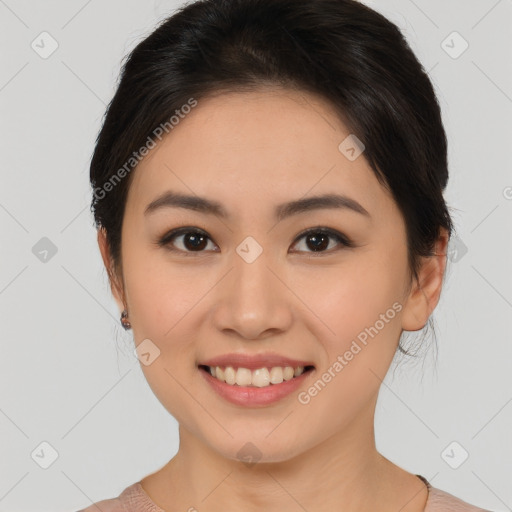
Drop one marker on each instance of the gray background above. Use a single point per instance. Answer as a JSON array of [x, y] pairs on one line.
[[68, 376]]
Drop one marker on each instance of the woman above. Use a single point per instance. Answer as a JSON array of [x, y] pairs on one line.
[[268, 192]]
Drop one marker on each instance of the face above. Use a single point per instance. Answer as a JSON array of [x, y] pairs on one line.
[[250, 282]]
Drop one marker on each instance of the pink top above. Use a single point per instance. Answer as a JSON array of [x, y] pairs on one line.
[[135, 499]]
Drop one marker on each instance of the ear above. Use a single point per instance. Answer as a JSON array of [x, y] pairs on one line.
[[425, 291], [115, 286]]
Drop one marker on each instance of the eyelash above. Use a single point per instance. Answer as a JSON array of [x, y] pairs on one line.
[[166, 240]]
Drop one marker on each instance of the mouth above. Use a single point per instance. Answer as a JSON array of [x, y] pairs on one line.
[[255, 378]]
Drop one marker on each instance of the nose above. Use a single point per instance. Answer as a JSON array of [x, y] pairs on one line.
[[253, 300]]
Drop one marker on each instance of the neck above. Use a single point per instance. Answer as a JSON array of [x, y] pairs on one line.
[[343, 472]]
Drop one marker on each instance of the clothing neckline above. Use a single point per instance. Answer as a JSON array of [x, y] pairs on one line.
[[153, 507], [425, 481], [427, 484]]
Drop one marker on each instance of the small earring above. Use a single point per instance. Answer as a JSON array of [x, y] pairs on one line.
[[124, 320]]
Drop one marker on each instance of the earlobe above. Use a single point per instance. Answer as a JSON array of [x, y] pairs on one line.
[[425, 292], [116, 289]]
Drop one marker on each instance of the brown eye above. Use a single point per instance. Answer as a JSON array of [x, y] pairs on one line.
[[193, 240], [317, 239]]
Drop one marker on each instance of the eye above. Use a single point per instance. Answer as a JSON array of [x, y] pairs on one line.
[[195, 240], [318, 239]]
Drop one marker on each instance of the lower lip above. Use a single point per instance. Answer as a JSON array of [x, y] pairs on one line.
[[254, 396]]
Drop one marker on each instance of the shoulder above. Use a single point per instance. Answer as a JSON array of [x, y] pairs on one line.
[[111, 505], [123, 503], [442, 501], [132, 498]]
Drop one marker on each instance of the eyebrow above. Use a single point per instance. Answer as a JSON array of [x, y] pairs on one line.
[[208, 206]]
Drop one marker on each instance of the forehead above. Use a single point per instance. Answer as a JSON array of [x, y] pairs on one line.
[[252, 148]]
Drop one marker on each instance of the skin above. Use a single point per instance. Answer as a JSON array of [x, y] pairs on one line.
[[251, 151]]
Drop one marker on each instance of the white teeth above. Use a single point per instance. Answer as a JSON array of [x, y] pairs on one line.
[[243, 377], [229, 375], [276, 375], [288, 373], [262, 377]]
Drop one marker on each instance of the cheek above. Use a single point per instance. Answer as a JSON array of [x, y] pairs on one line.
[[353, 295], [357, 311], [365, 318], [161, 293], [162, 299]]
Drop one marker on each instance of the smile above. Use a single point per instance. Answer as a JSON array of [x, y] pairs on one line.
[[260, 378], [261, 391]]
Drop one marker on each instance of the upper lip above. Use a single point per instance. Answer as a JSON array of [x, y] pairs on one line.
[[253, 362]]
